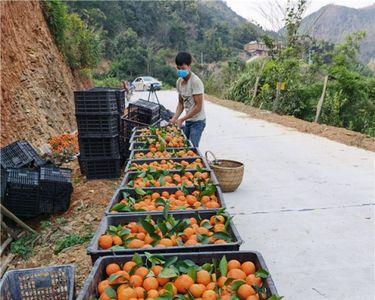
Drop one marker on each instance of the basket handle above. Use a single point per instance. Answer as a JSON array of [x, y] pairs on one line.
[[206, 155]]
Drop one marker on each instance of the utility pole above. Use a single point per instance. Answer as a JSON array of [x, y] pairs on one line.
[[201, 58], [320, 103]]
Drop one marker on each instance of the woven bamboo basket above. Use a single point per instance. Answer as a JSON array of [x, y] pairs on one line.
[[229, 173]]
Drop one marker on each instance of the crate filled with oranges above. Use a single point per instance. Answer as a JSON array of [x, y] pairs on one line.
[[206, 275], [127, 201], [184, 232]]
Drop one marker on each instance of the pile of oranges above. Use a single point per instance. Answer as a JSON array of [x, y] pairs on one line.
[[135, 280], [167, 232], [167, 165], [155, 143], [170, 129], [175, 201], [154, 153], [169, 180]]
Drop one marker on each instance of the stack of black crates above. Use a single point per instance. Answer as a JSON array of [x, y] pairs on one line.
[[100, 136], [30, 187]]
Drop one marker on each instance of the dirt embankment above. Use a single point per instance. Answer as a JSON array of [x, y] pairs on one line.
[[36, 85], [337, 134]]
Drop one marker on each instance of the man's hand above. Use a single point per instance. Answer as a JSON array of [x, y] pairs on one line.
[[173, 120], [179, 122]]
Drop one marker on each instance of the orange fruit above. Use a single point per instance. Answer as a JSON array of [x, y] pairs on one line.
[[128, 266], [140, 292], [112, 268], [150, 283], [248, 267], [219, 241], [124, 276], [117, 240], [209, 295], [196, 290], [152, 294], [253, 280], [136, 243], [162, 281], [245, 291], [126, 293], [102, 285], [234, 264], [211, 286], [236, 274], [155, 196], [135, 281], [219, 227], [205, 199], [105, 241], [183, 283], [203, 277], [221, 281], [189, 232], [202, 230], [141, 271], [166, 242], [104, 296], [156, 270], [191, 199], [191, 242]]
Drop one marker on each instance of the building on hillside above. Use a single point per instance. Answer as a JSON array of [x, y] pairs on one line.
[[256, 48]]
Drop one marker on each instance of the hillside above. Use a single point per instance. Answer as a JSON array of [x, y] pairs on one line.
[[37, 86], [142, 37], [333, 23]]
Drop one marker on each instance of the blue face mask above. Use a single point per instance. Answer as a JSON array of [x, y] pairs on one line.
[[182, 73]]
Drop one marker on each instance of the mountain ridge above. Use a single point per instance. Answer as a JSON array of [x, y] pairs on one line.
[[334, 23]]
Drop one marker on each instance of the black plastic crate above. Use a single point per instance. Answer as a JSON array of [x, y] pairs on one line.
[[98, 125], [14, 156], [55, 189], [119, 195], [98, 273], [95, 102], [174, 160], [132, 175], [55, 282], [22, 194], [129, 124], [81, 164], [94, 251], [4, 179], [144, 111], [38, 161], [99, 147], [102, 168], [119, 94]]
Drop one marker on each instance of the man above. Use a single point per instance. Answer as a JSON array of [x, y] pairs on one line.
[[190, 97]]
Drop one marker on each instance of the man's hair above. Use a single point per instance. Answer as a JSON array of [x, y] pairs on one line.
[[183, 58]]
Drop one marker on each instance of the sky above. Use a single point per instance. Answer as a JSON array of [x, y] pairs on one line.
[[252, 9]]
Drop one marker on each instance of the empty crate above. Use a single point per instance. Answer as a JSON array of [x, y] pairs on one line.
[[55, 189], [144, 111], [22, 194], [98, 125], [101, 168], [95, 102], [99, 147], [20, 154]]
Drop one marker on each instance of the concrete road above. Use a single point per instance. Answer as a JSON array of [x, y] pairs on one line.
[[306, 203]]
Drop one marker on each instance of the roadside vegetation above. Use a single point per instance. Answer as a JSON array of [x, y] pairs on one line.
[[300, 67]]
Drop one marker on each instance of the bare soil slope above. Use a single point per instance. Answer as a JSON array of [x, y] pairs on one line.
[[36, 85]]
